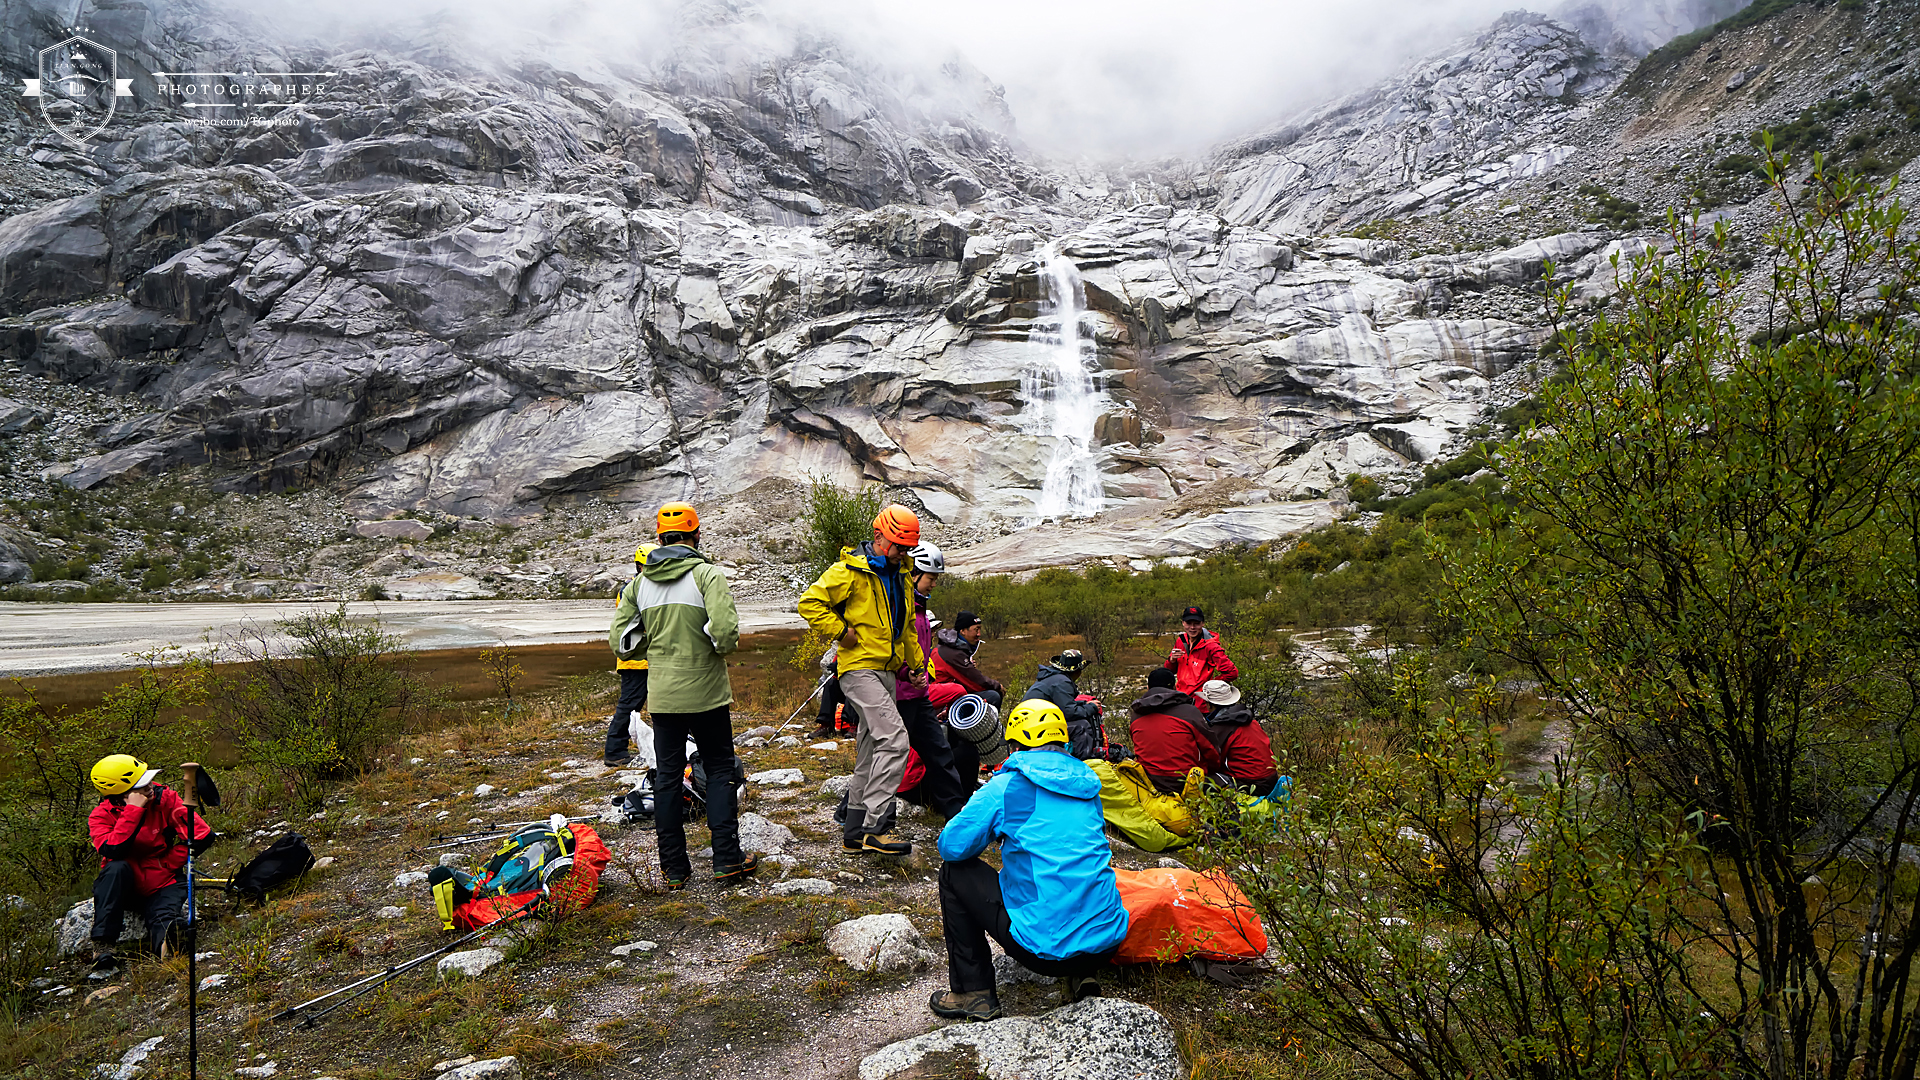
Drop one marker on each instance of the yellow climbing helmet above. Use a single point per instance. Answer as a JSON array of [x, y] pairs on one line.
[[116, 774], [1036, 722], [640, 553]]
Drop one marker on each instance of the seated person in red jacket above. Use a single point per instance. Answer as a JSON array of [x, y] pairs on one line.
[[140, 830], [954, 663], [1246, 754], [1198, 655], [1170, 735]]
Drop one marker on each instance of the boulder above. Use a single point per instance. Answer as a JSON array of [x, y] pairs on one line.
[[73, 929], [805, 886], [886, 943], [1095, 1039], [836, 785], [394, 529], [18, 416], [53, 254], [17, 553], [130, 1061], [472, 962], [504, 1068], [760, 836]]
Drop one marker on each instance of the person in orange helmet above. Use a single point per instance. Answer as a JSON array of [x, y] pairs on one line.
[[865, 602]]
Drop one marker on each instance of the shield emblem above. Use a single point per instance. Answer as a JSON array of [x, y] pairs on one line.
[[78, 88]]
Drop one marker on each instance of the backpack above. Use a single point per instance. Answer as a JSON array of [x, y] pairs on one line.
[[559, 867], [285, 860]]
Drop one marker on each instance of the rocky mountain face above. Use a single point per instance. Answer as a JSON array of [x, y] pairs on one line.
[[484, 289]]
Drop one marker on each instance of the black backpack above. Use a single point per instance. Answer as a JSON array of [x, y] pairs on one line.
[[285, 860]]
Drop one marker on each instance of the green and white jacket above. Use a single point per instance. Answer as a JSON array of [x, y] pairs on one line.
[[678, 614]]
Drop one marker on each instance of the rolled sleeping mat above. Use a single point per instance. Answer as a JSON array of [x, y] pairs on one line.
[[979, 723]]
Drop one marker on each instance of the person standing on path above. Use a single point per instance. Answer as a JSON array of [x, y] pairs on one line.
[[1197, 654], [633, 689], [678, 615], [865, 601]]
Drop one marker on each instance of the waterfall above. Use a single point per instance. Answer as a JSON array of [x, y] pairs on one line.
[[1066, 402]]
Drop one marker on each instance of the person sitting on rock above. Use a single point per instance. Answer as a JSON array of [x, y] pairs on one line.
[[679, 613], [1170, 735], [1198, 655], [1055, 908], [1246, 754], [1055, 683], [142, 833], [954, 663]]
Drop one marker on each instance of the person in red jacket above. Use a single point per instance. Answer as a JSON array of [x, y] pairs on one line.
[[1170, 735], [1198, 655], [1246, 754], [141, 830]]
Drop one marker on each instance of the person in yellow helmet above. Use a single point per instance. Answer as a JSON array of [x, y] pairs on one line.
[[633, 687], [865, 602], [142, 831]]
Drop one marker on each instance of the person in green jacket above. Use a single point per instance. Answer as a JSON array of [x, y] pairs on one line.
[[678, 615], [864, 602]]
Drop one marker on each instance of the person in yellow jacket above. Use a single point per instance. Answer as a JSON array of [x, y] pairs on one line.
[[865, 602], [633, 688]]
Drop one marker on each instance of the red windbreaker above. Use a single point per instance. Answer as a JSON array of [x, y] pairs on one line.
[[153, 838], [1170, 736], [1194, 662]]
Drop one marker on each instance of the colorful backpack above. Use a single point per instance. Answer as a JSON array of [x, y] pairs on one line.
[[559, 868]]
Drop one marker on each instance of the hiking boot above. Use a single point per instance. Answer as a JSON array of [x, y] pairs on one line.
[[824, 731], [1081, 987], [619, 762], [103, 957], [885, 844], [852, 845], [972, 1005], [738, 872], [677, 882]]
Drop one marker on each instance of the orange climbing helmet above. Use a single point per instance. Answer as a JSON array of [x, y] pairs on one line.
[[676, 517], [898, 524]]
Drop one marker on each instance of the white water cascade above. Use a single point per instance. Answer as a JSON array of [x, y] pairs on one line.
[[1066, 402]]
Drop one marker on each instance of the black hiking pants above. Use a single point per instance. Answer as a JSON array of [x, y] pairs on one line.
[[116, 891], [633, 698], [971, 910], [941, 787], [830, 701], [712, 733]]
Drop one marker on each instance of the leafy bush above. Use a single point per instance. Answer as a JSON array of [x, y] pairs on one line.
[[837, 519], [46, 758], [320, 706]]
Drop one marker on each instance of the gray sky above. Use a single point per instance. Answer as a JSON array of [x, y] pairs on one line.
[[1110, 78]]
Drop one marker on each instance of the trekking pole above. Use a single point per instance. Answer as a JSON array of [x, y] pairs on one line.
[[191, 771], [362, 987], [503, 831], [819, 686]]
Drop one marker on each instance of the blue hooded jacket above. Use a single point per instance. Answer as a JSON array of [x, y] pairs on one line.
[[1058, 884]]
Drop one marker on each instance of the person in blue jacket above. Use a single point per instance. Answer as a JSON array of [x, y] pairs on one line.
[[1056, 907]]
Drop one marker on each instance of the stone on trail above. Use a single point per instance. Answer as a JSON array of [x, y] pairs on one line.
[[409, 879], [258, 1072], [786, 742], [129, 1061], [806, 886], [633, 947], [760, 836], [764, 731], [214, 982], [778, 777], [1095, 1039], [884, 943], [505, 1068], [391, 912], [471, 963], [836, 785], [823, 746]]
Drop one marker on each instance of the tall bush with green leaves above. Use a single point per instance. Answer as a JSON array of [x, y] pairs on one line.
[[319, 706], [837, 519], [1715, 568], [47, 756]]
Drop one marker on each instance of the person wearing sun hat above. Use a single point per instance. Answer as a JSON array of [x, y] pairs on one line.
[[1197, 654], [142, 831], [1246, 753]]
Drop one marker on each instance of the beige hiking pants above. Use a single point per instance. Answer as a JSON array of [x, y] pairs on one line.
[[881, 748]]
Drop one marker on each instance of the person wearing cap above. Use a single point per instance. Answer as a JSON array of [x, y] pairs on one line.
[[1170, 735], [1246, 753], [864, 601], [953, 660], [633, 688], [1198, 655], [142, 831], [1055, 682], [678, 614], [1055, 907]]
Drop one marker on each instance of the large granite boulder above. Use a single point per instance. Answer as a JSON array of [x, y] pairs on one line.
[[1095, 1039]]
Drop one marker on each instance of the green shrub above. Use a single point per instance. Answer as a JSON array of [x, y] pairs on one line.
[[837, 519], [320, 707]]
